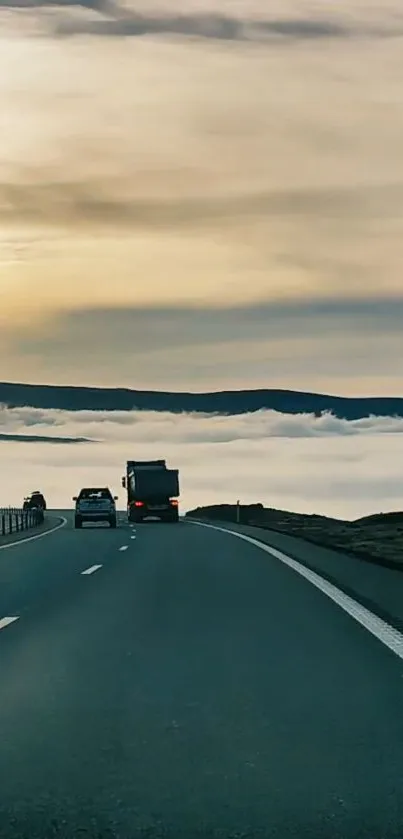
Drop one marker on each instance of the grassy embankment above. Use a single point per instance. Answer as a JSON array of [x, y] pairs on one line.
[[377, 538]]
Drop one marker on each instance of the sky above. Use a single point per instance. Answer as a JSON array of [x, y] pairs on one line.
[[202, 195]]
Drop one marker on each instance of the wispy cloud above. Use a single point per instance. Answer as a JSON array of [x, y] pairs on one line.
[[126, 21], [96, 5], [129, 22], [211, 26], [278, 343], [102, 202]]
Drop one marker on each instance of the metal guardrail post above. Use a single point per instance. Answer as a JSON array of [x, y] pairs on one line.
[[15, 520]]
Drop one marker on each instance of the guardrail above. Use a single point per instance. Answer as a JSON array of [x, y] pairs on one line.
[[15, 520]]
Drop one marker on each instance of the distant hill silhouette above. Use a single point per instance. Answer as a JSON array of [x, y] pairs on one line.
[[42, 438], [221, 402]]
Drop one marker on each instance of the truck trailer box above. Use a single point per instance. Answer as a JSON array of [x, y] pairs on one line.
[[152, 483]]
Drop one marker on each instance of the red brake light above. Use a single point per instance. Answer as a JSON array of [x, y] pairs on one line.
[[139, 503], [174, 502]]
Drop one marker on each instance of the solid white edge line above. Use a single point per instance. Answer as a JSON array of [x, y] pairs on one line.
[[91, 570], [6, 621], [384, 632], [32, 538]]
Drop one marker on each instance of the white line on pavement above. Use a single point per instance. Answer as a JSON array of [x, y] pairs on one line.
[[92, 569], [124, 548], [384, 632], [32, 538], [132, 537], [6, 621]]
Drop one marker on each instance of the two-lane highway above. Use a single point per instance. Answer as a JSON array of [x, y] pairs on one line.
[[35, 570], [189, 685]]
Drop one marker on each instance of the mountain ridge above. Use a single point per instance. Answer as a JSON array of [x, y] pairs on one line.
[[230, 402]]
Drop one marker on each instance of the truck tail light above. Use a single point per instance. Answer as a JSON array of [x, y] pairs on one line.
[[139, 503], [174, 502]]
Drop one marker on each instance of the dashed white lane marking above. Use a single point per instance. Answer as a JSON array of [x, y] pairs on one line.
[[91, 570], [124, 548], [132, 537], [384, 632], [6, 621], [32, 538]]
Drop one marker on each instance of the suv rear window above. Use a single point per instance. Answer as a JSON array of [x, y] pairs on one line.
[[95, 493]]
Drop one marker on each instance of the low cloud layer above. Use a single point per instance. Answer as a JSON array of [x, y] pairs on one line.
[[325, 465], [188, 429]]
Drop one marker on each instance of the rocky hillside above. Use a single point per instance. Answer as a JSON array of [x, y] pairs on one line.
[[377, 538]]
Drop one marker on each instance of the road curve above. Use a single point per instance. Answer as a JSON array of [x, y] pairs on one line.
[[188, 685]]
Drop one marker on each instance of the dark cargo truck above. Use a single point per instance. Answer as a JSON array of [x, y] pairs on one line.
[[152, 490]]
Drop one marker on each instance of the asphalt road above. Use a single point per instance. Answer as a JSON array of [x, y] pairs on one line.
[[190, 686]]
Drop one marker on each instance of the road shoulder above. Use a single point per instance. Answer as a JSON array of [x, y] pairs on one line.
[[51, 523], [379, 589]]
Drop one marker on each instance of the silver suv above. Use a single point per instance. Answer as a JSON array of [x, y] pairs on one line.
[[95, 505]]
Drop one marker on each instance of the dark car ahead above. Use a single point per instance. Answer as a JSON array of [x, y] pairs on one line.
[[95, 504], [34, 501]]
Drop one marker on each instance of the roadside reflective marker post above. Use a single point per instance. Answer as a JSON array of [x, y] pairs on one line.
[[238, 512]]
